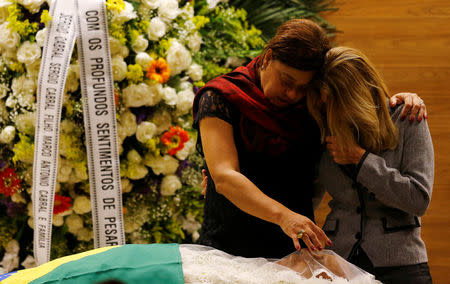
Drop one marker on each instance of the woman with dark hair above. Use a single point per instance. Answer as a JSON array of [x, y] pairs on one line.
[[261, 148]]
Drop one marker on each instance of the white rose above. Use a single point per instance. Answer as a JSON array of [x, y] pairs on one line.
[[142, 95], [115, 46], [194, 42], [126, 185], [170, 96], [156, 29], [152, 4], [119, 68], [143, 59], [82, 205], [195, 71], [10, 262], [40, 37], [128, 121], [28, 52], [126, 14], [134, 157], [145, 131], [9, 39], [84, 234], [58, 220], [74, 223], [33, 69], [25, 122], [163, 120], [185, 100], [170, 184], [166, 165], [169, 9], [29, 262], [73, 75], [4, 13], [8, 133], [32, 5], [178, 57], [140, 44], [23, 85], [189, 148]]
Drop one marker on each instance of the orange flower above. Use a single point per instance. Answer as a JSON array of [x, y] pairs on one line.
[[9, 182], [62, 204], [174, 139], [158, 70]]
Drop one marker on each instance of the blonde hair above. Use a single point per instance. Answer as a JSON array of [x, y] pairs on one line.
[[356, 108]]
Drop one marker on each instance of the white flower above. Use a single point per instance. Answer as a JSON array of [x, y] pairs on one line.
[[135, 167], [10, 261], [84, 234], [126, 185], [140, 44], [166, 165], [23, 85], [33, 69], [145, 131], [156, 29], [9, 39], [189, 223], [178, 57], [4, 13], [169, 9], [58, 220], [117, 48], [128, 121], [142, 95], [234, 61], [119, 68], [29, 262], [40, 37], [143, 59], [25, 122], [64, 170], [189, 148], [12, 247], [194, 42], [134, 157], [195, 236], [195, 71], [18, 198], [82, 205], [170, 184], [73, 76], [213, 3], [185, 100], [28, 52], [7, 135], [152, 4], [32, 5], [126, 14], [74, 223], [170, 96], [163, 120]]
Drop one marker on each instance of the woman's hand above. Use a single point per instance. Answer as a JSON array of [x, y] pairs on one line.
[[412, 102], [351, 155], [204, 183], [313, 236]]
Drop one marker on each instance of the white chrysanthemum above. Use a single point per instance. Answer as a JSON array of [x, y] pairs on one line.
[[125, 15], [156, 29], [163, 120], [32, 5], [126, 185], [9, 39], [72, 80], [142, 95], [170, 96], [58, 220], [28, 52], [185, 100], [82, 204], [40, 37], [74, 223], [145, 131], [195, 71], [33, 69], [128, 121], [8, 133], [194, 42], [170, 184], [84, 234], [119, 68], [143, 59], [189, 148], [25, 122], [166, 165], [29, 262], [178, 57], [168, 9], [140, 44], [152, 4]]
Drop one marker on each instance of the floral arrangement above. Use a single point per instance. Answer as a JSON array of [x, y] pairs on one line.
[[162, 51]]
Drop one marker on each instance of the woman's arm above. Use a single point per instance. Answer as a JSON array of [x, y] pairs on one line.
[[223, 163]]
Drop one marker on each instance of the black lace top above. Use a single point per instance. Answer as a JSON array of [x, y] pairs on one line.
[[283, 173]]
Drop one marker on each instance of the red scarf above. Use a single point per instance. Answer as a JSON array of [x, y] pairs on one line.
[[241, 88]]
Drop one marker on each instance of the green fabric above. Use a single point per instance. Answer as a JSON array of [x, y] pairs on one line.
[[154, 263]]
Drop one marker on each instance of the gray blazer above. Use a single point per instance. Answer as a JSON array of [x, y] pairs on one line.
[[395, 188]]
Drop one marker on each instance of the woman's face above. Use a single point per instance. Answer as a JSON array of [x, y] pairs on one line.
[[283, 85]]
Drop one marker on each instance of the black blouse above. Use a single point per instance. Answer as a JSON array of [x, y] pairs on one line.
[[285, 174]]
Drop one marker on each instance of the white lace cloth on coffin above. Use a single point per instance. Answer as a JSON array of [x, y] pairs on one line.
[[202, 264]]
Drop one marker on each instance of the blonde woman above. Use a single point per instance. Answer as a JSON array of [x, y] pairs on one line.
[[378, 169]]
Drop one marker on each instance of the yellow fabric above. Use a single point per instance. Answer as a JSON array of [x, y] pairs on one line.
[[28, 275]]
